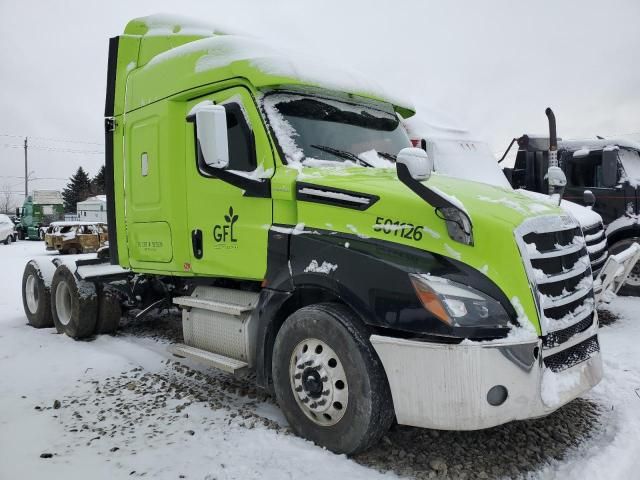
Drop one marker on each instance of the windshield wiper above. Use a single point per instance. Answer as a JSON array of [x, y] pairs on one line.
[[388, 156], [342, 153]]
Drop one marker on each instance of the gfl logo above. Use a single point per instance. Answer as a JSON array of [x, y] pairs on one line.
[[224, 233]]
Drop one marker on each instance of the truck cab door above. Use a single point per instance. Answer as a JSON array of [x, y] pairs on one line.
[[228, 225], [586, 173]]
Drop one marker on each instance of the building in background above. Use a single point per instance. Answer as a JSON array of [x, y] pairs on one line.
[[93, 209]]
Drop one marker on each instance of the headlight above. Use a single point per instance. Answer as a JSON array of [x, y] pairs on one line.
[[458, 224], [458, 305]]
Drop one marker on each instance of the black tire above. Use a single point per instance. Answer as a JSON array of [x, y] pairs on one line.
[[74, 304], [109, 311], [369, 410], [38, 307], [631, 288], [8, 240]]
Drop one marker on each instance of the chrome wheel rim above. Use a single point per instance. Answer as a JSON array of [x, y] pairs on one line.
[[31, 294], [63, 303], [319, 382]]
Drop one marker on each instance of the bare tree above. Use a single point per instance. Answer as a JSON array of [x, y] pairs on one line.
[[7, 200]]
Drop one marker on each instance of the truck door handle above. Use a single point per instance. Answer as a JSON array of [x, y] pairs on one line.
[[196, 243]]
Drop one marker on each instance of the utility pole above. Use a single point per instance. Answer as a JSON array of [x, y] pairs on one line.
[[26, 176]]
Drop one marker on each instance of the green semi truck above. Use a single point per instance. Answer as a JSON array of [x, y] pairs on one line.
[[38, 210], [281, 206]]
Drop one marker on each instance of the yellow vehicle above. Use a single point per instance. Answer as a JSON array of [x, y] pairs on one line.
[[76, 237]]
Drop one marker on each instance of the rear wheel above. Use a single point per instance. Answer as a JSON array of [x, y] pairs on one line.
[[329, 381], [74, 304], [8, 240], [632, 286], [36, 297]]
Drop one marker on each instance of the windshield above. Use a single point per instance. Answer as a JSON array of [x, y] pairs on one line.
[[466, 159], [317, 131]]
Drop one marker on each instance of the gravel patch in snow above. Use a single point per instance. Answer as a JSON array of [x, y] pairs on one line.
[[514, 450]]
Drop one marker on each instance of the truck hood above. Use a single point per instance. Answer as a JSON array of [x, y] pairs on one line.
[[400, 216], [479, 200]]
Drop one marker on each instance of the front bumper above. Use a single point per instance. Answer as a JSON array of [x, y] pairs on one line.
[[446, 387]]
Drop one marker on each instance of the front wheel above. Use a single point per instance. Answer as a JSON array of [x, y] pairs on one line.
[[329, 382], [8, 240], [632, 286]]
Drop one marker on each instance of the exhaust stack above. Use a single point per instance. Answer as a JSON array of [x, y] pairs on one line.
[[553, 143]]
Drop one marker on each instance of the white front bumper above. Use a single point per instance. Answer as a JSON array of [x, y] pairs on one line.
[[445, 386]]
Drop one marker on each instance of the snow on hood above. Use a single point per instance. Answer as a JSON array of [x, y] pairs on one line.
[[584, 215]]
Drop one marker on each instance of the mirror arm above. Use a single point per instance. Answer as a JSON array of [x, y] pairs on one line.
[[260, 188], [420, 189]]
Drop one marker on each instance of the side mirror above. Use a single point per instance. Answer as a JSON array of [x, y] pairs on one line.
[[556, 177], [557, 182], [610, 167], [211, 124], [417, 162], [589, 198]]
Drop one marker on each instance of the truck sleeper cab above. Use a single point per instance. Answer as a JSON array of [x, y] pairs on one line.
[[305, 239]]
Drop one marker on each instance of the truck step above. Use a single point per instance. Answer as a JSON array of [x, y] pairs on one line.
[[223, 300], [220, 362]]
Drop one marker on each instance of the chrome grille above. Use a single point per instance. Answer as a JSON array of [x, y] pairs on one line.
[[573, 355], [559, 270], [596, 246]]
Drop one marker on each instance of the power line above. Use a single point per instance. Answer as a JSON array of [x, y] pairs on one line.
[[54, 149], [53, 139], [34, 178]]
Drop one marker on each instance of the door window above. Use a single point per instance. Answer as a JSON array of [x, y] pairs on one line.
[[242, 155]]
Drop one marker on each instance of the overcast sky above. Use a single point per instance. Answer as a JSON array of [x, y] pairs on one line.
[[492, 66]]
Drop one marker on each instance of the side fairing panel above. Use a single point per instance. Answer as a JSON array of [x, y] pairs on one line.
[[372, 277]]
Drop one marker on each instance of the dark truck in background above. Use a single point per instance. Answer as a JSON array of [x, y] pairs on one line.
[[604, 173]]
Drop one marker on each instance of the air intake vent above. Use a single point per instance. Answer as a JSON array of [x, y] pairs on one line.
[[308, 192]]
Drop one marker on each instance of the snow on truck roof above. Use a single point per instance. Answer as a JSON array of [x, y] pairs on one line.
[[94, 199], [217, 55], [587, 144], [168, 24], [599, 144]]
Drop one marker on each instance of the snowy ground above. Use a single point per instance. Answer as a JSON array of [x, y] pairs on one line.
[[122, 407]]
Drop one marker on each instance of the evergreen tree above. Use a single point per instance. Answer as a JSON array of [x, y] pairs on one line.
[[97, 183], [77, 190]]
